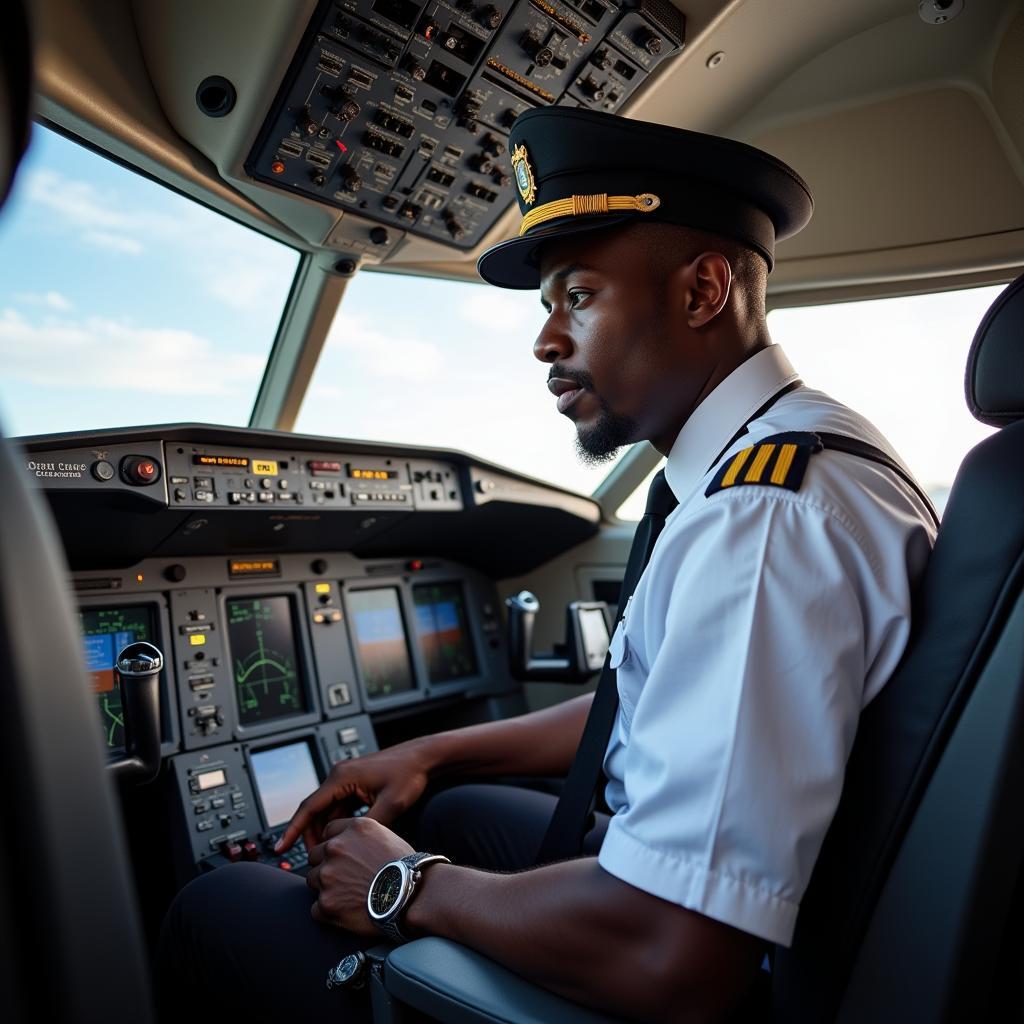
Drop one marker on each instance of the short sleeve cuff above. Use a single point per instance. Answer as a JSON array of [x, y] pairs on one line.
[[715, 894]]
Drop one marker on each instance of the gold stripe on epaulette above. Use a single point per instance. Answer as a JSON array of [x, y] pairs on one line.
[[782, 464], [734, 470], [764, 453], [581, 206]]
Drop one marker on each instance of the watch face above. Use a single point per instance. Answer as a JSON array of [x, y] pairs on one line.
[[386, 890], [344, 971]]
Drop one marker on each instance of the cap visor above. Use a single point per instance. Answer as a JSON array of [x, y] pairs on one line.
[[515, 263]]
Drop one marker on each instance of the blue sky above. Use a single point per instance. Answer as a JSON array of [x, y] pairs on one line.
[[122, 303]]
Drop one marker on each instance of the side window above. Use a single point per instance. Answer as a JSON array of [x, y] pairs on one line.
[[899, 362], [122, 302]]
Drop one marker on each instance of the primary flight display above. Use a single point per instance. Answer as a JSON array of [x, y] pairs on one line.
[[105, 632], [264, 659]]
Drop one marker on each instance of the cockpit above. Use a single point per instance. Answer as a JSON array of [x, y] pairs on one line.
[[307, 495]]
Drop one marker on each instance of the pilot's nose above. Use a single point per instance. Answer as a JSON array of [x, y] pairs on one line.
[[552, 344]]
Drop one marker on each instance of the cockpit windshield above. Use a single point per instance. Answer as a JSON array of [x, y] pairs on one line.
[[128, 303], [445, 363]]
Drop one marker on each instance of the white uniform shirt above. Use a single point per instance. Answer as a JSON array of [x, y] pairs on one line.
[[763, 624]]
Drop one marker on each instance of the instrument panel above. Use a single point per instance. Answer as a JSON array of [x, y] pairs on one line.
[[262, 644], [273, 667]]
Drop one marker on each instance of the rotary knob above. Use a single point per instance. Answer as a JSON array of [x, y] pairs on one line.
[[489, 16], [348, 111], [350, 180], [650, 41]]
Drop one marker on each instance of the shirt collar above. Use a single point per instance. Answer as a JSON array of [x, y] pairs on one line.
[[722, 414]]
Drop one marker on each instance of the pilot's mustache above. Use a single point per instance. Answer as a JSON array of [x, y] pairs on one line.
[[580, 378]]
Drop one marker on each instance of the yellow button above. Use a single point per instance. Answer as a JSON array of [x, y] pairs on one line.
[[197, 639], [323, 588]]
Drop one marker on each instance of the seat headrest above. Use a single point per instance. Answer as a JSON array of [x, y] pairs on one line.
[[995, 365], [15, 89]]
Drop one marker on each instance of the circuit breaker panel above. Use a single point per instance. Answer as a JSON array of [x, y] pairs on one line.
[[400, 111]]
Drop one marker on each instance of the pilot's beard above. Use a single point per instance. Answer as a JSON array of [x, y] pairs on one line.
[[599, 443]]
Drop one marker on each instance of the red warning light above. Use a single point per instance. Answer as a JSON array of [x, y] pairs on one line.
[[341, 145], [415, 565], [277, 167]]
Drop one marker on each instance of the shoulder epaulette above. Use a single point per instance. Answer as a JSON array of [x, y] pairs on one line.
[[777, 461]]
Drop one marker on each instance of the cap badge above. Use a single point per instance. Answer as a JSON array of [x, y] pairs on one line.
[[524, 175]]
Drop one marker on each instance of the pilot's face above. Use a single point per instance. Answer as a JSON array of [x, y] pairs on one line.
[[624, 363]]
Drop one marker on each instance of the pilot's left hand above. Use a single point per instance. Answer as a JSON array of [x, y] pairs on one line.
[[343, 866]]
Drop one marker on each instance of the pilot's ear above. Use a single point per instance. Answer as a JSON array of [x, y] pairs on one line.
[[706, 281]]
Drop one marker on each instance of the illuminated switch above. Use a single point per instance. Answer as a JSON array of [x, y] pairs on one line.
[[338, 695], [348, 735]]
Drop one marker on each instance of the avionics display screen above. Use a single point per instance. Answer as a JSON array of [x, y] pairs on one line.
[[105, 632], [442, 628], [264, 659], [379, 637], [284, 776]]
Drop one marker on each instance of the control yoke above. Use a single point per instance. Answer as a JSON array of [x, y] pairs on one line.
[[137, 670], [587, 633]]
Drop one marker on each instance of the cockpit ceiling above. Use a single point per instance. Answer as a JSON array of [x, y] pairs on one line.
[[911, 135]]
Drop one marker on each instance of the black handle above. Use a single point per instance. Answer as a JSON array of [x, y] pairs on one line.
[[586, 641], [137, 669]]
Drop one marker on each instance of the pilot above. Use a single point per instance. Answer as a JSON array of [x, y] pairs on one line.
[[774, 607]]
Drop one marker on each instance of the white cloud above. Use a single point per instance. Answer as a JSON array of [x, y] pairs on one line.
[[112, 242], [101, 354], [391, 356], [216, 250], [508, 312], [51, 299]]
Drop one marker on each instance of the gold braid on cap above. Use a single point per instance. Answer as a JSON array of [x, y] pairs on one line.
[[580, 206]]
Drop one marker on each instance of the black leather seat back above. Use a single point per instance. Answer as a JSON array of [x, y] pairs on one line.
[[908, 864], [70, 946]]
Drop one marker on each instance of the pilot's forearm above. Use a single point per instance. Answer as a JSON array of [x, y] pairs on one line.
[[584, 934], [540, 743]]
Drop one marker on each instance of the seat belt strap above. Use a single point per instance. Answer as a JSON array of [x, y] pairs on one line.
[[863, 450]]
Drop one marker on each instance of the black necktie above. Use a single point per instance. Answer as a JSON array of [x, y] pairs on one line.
[[564, 837]]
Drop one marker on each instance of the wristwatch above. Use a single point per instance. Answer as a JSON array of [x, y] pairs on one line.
[[392, 890]]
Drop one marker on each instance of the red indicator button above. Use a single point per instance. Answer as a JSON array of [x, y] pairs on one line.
[[285, 865], [415, 565], [139, 470], [341, 145], [277, 167], [317, 466]]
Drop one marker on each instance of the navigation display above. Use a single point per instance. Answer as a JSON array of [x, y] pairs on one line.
[[264, 661], [284, 776], [442, 627], [379, 637], [105, 632]]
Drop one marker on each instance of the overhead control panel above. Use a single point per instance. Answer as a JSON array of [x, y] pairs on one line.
[[401, 111]]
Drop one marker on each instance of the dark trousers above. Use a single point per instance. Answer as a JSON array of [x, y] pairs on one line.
[[239, 943]]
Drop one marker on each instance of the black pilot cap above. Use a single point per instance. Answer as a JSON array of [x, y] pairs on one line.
[[577, 170]]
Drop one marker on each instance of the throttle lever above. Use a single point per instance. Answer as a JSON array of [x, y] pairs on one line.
[[137, 670], [587, 634]]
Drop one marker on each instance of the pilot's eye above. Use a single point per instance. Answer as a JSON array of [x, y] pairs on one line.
[[576, 296]]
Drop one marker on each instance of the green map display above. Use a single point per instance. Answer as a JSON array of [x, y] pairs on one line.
[[263, 659], [105, 633]]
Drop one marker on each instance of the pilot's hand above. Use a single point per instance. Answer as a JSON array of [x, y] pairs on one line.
[[343, 866], [390, 781]]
